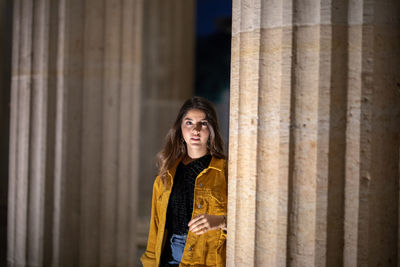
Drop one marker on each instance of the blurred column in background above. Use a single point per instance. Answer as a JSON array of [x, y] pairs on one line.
[[314, 133], [5, 81], [75, 122], [168, 80]]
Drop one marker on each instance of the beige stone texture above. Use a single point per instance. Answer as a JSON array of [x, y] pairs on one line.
[[75, 115], [314, 134]]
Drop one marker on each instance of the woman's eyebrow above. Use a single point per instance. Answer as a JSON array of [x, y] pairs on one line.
[[190, 119]]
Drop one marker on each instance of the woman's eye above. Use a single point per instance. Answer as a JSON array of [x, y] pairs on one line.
[[188, 123], [204, 123]]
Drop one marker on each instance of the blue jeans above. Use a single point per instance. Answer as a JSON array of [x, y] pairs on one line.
[[177, 247]]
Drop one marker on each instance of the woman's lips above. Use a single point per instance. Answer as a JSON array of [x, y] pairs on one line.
[[195, 138]]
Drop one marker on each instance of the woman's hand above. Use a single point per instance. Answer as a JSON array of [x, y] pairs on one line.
[[205, 222]]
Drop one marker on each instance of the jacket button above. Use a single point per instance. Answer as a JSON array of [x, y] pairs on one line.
[[199, 206], [190, 248], [200, 185]]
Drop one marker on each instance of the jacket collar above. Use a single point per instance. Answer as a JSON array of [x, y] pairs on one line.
[[215, 163]]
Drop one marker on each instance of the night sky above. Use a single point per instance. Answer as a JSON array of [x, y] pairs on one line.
[[213, 46], [208, 11]]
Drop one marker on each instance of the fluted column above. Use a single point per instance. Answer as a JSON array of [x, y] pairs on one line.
[[75, 114], [168, 80], [5, 81], [314, 133]]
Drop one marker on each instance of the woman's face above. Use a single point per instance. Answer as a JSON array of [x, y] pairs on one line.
[[195, 132]]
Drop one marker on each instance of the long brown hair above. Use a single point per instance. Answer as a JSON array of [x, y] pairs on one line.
[[175, 146]]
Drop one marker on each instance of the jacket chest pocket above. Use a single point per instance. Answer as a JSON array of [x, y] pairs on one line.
[[218, 202], [201, 203]]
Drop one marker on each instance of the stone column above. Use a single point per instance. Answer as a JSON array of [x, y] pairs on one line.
[[75, 114], [314, 133], [5, 82], [168, 80]]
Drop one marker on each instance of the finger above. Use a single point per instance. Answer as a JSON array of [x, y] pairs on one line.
[[198, 218], [198, 223], [195, 219], [202, 231], [201, 225], [199, 229]]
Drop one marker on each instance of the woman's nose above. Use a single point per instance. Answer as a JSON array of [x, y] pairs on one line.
[[197, 127]]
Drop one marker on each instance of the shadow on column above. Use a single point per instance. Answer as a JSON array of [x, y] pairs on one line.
[[6, 11]]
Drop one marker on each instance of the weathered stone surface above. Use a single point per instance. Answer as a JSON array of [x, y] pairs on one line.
[[314, 109], [75, 115]]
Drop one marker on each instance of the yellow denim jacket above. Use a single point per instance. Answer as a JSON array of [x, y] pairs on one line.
[[210, 197]]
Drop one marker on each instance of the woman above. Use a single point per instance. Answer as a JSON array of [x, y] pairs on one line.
[[188, 216]]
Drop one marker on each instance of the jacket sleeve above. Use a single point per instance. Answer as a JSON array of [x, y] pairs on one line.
[[148, 258]]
